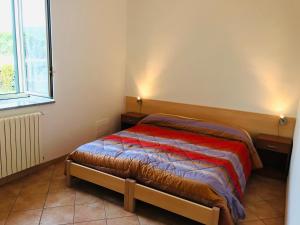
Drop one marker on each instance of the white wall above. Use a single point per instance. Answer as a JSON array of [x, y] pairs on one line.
[[89, 51], [234, 54], [293, 197]]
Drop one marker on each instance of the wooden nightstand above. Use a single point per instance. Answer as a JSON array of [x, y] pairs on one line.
[[130, 119], [275, 152]]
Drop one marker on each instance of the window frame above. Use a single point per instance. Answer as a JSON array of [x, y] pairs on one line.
[[49, 41], [18, 52], [16, 62]]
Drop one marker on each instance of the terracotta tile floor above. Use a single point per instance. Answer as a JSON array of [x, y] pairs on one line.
[[43, 198]]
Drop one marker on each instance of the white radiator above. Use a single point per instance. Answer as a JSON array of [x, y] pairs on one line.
[[19, 143]]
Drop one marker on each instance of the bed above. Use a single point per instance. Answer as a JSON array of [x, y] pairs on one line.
[[194, 168]]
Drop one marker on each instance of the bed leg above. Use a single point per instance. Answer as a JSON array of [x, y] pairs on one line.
[[129, 201], [215, 216], [68, 175]]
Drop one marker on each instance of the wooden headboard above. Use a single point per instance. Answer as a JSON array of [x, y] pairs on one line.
[[254, 123]]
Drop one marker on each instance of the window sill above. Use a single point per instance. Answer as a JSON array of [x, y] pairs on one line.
[[24, 102]]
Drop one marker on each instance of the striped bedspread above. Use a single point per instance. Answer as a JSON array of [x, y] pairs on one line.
[[203, 162]]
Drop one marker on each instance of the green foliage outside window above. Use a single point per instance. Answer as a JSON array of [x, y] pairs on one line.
[[6, 44], [7, 79]]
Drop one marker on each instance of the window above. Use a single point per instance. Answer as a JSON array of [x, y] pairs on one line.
[[25, 49]]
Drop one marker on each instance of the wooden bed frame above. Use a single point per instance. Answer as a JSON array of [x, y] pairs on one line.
[[133, 191], [254, 123]]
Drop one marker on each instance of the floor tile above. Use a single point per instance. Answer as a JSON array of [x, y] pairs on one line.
[[114, 210], [88, 212], [85, 197], [62, 198], [59, 171], [150, 215], [270, 188], [150, 221], [255, 222], [36, 188], [59, 185], [89, 204], [278, 204], [34, 179], [111, 197], [250, 214], [251, 195], [263, 210], [28, 217], [161, 220], [131, 220], [271, 193], [3, 217], [58, 215], [11, 190], [274, 221], [98, 222], [40, 176], [7, 203], [29, 201]]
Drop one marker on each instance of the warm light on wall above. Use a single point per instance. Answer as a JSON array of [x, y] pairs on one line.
[[147, 86], [275, 98], [280, 103], [147, 78]]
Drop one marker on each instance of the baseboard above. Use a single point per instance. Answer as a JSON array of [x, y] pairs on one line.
[[29, 171]]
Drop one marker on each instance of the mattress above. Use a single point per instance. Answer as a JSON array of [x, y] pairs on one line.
[[204, 162]]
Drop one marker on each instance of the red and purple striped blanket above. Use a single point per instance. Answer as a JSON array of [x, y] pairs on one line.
[[203, 162]]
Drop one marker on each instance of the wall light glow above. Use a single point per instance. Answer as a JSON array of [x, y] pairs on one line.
[[277, 98], [146, 82]]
